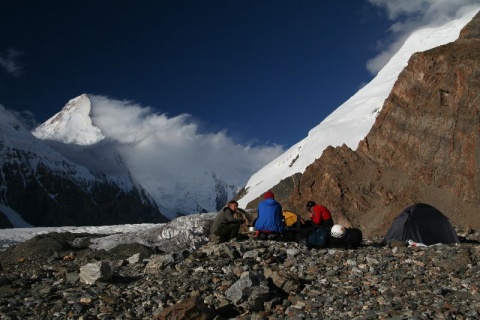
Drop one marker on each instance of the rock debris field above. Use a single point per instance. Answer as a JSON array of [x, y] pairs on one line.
[[56, 276]]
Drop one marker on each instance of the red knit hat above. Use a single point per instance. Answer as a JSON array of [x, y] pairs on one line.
[[269, 194]]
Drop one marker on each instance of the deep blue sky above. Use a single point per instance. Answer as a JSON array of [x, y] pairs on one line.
[[266, 71]]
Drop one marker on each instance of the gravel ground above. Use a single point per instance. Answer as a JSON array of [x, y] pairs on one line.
[[46, 278]]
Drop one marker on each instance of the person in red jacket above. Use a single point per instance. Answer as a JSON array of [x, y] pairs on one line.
[[320, 215]]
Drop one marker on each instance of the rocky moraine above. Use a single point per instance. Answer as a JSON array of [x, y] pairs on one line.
[[56, 276]]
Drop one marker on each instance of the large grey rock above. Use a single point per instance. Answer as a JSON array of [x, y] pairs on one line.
[[158, 262], [96, 271], [250, 291]]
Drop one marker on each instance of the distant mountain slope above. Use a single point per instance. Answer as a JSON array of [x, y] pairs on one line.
[[41, 187], [85, 137], [350, 122]]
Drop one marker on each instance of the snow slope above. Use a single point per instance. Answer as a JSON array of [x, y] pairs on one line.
[[352, 121]]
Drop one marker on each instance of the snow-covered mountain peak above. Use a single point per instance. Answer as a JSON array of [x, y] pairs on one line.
[[100, 134], [72, 124]]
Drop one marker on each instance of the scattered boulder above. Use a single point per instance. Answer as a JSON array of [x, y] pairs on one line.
[[96, 271], [250, 291]]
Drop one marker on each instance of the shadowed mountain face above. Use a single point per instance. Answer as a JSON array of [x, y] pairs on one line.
[[423, 147], [45, 188]]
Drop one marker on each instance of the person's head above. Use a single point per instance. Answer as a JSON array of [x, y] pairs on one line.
[[310, 205], [233, 205], [338, 231], [269, 195]]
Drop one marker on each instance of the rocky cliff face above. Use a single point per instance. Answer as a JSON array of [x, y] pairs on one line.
[[423, 147]]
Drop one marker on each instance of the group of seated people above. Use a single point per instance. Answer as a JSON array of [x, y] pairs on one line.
[[271, 221], [271, 217]]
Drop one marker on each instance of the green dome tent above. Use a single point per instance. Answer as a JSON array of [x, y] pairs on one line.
[[421, 223]]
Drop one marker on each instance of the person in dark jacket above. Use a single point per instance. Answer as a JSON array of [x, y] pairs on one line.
[[225, 227], [270, 215], [320, 216]]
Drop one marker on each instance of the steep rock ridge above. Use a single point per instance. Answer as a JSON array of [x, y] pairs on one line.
[[432, 117], [352, 120], [46, 189], [423, 147]]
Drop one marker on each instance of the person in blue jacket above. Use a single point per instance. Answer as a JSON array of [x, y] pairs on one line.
[[270, 215]]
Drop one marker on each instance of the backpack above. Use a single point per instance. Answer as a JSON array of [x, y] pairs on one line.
[[354, 238], [318, 238]]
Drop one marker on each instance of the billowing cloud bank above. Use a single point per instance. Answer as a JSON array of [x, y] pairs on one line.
[[412, 15], [158, 147]]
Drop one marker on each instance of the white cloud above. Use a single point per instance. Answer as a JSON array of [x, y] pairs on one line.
[[157, 147], [10, 62], [409, 16]]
